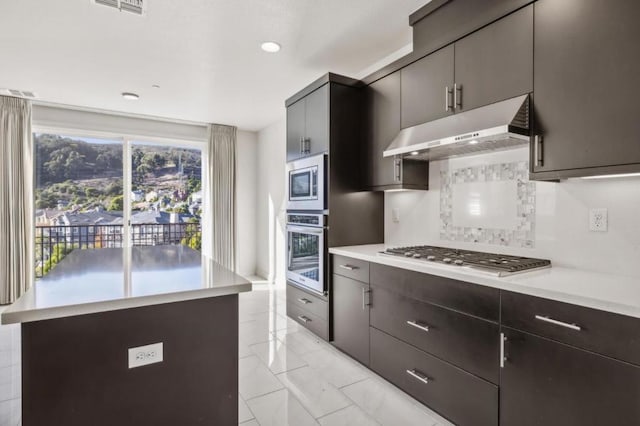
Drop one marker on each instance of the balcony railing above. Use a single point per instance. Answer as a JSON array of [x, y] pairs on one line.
[[53, 243]]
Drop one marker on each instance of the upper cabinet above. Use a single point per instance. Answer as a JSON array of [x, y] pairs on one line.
[[426, 88], [308, 125], [495, 63], [383, 124], [490, 65], [587, 79]]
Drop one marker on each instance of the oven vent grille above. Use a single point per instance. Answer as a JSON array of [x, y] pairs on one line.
[[134, 6], [27, 94]]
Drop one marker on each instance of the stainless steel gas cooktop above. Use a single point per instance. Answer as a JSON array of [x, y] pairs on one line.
[[496, 264]]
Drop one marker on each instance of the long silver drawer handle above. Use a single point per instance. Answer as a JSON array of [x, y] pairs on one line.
[[560, 323], [416, 374], [304, 301], [303, 318], [416, 324], [348, 267]]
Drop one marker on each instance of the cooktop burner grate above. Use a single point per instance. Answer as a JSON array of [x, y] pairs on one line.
[[500, 264]]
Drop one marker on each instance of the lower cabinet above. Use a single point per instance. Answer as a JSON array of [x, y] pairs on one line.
[[455, 394], [308, 310], [549, 383], [351, 317]]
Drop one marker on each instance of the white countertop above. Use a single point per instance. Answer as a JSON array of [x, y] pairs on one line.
[[612, 293], [92, 281]]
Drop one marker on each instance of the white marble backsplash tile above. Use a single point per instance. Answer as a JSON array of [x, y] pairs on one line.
[[490, 203], [559, 215]]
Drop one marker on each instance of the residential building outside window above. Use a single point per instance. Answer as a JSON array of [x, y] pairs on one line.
[[82, 190]]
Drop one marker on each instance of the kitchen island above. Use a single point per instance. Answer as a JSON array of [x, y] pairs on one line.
[[140, 336]]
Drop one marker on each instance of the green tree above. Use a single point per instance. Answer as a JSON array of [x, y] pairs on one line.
[[116, 204]]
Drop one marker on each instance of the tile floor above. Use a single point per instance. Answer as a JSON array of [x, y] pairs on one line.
[[287, 375]]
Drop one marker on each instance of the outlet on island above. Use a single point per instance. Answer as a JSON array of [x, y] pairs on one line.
[[145, 355]]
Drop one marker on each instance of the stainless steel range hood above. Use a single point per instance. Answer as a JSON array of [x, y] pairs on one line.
[[501, 125]]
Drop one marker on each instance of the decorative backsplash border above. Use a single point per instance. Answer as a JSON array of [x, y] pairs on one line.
[[524, 233]]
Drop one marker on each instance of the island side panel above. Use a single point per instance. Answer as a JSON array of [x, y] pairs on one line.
[[75, 369]]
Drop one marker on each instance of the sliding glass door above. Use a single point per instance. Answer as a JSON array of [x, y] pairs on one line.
[[93, 193]]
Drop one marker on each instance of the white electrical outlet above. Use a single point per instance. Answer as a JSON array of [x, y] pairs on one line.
[[395, 215], [145, 355], [598, 220]]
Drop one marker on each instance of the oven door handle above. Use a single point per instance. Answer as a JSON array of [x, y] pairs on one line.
[[305, 230]]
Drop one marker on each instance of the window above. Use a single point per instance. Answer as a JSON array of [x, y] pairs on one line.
[[82, 190]]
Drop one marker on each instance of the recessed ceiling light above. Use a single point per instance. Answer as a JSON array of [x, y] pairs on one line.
[[270, 46], [130, 96], [156, 86], [414, 153]]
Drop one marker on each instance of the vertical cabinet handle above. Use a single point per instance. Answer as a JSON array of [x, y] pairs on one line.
[[307, 145], [397, 169], [503, 358], [365, 302], [457, 96], [447, 98], [538, 154], [301, 145]]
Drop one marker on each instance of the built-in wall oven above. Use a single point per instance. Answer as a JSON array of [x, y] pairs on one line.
[[306, 184], [306, 256]]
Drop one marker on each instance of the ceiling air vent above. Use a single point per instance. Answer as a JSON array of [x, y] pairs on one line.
[[27, 94], [135, 6]]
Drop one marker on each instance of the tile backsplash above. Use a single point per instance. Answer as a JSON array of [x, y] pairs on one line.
[[491, 191], [488, 203]]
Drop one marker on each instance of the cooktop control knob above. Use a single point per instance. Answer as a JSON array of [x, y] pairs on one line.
[[417, 255], [431, 257], [408, 253], [446, 260], [459, 262]]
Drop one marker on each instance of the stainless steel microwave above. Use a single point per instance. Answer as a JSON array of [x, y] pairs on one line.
[[306, 188]]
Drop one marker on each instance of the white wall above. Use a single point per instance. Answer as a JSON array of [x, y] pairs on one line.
[[246, 176], [562, 218], [271, 202]]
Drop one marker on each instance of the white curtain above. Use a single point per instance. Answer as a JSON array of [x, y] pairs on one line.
[[16, 198], [220, 196]]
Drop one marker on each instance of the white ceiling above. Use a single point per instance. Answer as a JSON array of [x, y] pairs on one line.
[[204, 54]]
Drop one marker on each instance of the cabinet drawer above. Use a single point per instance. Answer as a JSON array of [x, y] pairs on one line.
[[351, 268], [467, 342], [483, 302], [308, 320], [614, 335], [461, 397], [307, 301]]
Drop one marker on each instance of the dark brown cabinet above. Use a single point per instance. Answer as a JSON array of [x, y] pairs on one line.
[[383, 125], [490, 65], [545, 382], [426, 88], [496, 62], [308, 125], [351, 317], [465, 341], [587, 80], [457, 395]]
